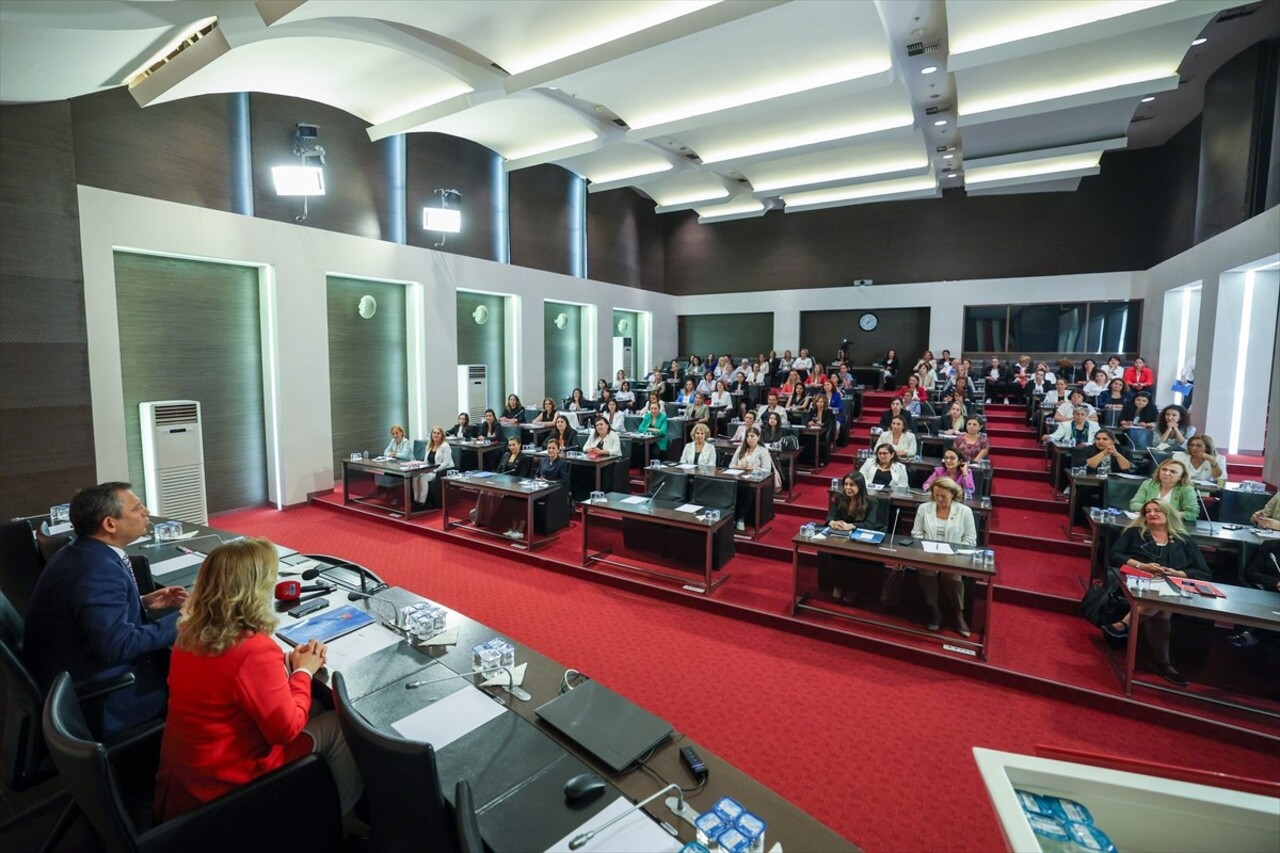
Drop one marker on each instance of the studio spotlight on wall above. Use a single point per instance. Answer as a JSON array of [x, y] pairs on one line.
[[445, 219], [306, 179]]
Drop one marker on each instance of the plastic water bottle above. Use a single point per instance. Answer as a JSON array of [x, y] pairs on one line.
[[753, 828], [709, 826], [968, 495], [729, 809]]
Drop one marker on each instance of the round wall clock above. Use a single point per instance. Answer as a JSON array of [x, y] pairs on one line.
[[868, 322]]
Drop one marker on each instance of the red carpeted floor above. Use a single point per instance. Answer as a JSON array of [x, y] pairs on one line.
[[875, 747]]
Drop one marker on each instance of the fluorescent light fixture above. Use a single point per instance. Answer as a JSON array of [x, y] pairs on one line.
[[694, 196], [632, 173], [815, 136], [737, 209], [849, 173], [1067, 89], [1199, 41], [552, 145], [1051, 18], [1242, 353], [786, 85], [192, 33], [895, 187], [298, 180], [1148, 99], [929, 69], [1033, 168], [442, 219]]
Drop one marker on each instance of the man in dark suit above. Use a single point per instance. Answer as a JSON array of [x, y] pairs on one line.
[[87, 616]]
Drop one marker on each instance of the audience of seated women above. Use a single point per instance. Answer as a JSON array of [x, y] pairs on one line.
[[945, 519], [973, 444], [1156, 543], [1170, 484], [1203, 461], [1173, 428], [899, 438], [239, 706], [896, 410], [959, 386], [912, 392], [752, 456], [850, 509], [602, 385], [953, 466], [798, 396], [883, 470]]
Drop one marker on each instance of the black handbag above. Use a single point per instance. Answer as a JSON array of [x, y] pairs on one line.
[[1103, 603]]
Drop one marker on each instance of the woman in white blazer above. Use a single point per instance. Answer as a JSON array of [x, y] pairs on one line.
[[426, 487], [883, 470], [945, 519], [699, 451]]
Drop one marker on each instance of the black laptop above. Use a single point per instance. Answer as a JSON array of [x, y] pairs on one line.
[[613, 729]]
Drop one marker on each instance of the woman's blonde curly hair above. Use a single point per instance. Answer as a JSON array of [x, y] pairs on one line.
[[232, 598]]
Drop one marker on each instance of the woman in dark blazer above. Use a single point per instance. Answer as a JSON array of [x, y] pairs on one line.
[[462, 429], [514, 412], [489, 428], [849, 508], [563, 433], [514, 462]]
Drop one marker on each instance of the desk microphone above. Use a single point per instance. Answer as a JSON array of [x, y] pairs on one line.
[[333, 563], [511, 687], [292, 590], [581, 840], [1204, 508], [897, 514], [655, 493], [371, 597]]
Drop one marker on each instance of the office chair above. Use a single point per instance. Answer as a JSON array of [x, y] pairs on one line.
[[674, 484], [407, 810], [1238, 506], [1119, 490], [258, 813], [464, 813], [20, 562], [721, 495]]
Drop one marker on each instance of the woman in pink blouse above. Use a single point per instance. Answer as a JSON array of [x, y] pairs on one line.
[[972, 444]]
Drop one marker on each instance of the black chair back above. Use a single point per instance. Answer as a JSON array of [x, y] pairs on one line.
[[674, 484], [464, 812], [717, 494], [1118, 491], [25, 757], [86, 768], [407, 810], [1238, 506], [20, 562]]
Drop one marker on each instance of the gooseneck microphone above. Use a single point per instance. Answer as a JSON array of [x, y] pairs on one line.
[[897, 514], [655, 492], [511, 686], [371, 597], [581, 840]]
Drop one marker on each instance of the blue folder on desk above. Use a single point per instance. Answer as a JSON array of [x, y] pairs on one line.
[[326, 626], [869, 537]]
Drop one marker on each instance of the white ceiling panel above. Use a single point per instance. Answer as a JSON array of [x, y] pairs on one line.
[[872, 161], [741, 207], [925, 186], [685, 190], [366, 80], [880, 112], [1029, 133], [618, 164], [778, 52], [517, 127]]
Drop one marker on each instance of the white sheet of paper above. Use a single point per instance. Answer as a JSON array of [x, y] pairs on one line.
[[635, 499], [59, 529], [875, 487], [173, 564], [350, 649], [502, 680], [687, 466], [443, 722], [938, 548], [737, 472], [688, 508], [635, 832]]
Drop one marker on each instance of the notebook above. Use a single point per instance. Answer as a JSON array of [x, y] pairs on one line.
[[613, 729], [326, 626]]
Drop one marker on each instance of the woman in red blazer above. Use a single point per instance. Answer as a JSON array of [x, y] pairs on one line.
[[239, 706]]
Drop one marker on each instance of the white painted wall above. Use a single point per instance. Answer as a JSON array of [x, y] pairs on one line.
[[297, 261]]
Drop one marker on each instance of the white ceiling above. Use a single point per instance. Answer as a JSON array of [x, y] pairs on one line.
[[729, 107]]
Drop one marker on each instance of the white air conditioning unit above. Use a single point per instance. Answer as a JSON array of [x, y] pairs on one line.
[[473, 390], [173, 460]]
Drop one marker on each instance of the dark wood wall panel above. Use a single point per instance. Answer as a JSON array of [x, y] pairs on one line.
[[903, 329], [624, 240], [1176, 217], [1236, 140], [738, 335], [436, 161], [1110, 223], [216, 359], [356, 197], [480, 344], [368, 367], [176, 152], [44, 393], [541, 210]]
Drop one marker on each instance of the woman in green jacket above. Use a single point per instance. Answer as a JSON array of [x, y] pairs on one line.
[[1170, 484], [655, 421]]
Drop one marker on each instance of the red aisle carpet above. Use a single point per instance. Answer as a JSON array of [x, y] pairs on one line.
[[874, 747]]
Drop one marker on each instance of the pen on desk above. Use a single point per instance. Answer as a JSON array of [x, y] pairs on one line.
[[187, 550]]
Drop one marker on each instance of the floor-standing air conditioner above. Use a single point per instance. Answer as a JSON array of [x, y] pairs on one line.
[[473, 390], [173, 460]]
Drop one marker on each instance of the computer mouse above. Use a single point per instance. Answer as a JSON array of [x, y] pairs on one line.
[[583, 788], [906, 540]]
